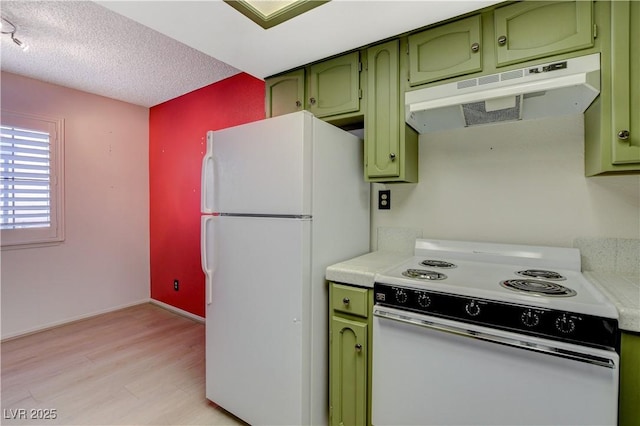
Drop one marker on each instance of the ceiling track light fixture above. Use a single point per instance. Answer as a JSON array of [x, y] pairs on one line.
[[12, 33]]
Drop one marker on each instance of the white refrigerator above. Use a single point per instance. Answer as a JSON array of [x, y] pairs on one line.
[[282, 199]]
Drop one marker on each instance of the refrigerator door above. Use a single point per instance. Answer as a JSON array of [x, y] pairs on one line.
[[262, 167], [257, 325], [207, 253]]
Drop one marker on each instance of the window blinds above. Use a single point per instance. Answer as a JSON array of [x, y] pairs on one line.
[[25, 178]]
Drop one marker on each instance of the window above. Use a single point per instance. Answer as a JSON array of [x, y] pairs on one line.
[[31, 180]]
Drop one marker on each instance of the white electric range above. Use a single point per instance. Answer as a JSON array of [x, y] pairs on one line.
[[483, 333]]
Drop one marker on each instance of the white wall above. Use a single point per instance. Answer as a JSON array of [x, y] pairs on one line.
[[104, 262], [513, 183]]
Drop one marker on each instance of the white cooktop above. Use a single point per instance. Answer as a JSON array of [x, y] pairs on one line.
[[481, 267]]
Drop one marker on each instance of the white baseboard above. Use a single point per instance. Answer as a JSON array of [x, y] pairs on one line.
[[70, 320], [178, 310]]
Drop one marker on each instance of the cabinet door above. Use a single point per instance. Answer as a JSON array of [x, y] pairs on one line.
[[285, 93], [625, 69], [446, 51], [629, 379], [535, 29], [391, 146], [334, 86], [382, 124], [348, 361]]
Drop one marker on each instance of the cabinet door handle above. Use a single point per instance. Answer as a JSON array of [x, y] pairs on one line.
[[392, 156], [502, 40], [358, 347], [298, 104], [312, 101], [346, 300], [475, 47], [623, 135]]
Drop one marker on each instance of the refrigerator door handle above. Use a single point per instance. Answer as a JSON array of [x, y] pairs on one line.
[[208, 177], [208, 254]]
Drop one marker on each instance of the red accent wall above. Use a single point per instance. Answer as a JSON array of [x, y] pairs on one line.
[[177, 143]]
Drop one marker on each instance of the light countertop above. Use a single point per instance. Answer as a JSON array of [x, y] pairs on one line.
[[361, 271], [624, 293], [622, 290]]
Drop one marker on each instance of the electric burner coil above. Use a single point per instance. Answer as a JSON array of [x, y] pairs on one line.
[[541, 274], [438, 264], [538, 287], [423, 274]]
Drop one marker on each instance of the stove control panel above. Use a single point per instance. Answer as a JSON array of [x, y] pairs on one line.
[[401, 296], [530, 317], [531, 320], [472, 308], [565, 324], [424, 300]]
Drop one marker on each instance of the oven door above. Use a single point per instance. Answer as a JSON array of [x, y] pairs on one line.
[[433, 371]]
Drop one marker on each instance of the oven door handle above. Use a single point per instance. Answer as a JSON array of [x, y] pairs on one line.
[[431, 323]]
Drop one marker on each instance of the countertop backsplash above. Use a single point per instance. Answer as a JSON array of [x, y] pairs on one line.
[[396, 239], [618, 255]]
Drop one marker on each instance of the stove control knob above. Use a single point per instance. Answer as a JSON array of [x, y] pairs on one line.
[[424, 300], [530, 318], [473, 308], [565, 325], [401, 296]]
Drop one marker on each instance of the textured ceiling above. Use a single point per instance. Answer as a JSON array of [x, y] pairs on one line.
[[147, 52], [217, 29], [85, 46]]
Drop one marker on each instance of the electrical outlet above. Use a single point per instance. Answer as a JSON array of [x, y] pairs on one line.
[[384, 199], [176, 285]]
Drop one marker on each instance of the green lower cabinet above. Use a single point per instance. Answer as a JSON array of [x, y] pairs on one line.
[[349, 355], [629, 414], [348, 372]]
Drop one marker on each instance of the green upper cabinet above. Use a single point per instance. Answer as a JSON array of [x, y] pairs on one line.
[[391, 147], [612, 122], [536, 29], [625, 84], [285, 93], [446, 51], [334, 86]]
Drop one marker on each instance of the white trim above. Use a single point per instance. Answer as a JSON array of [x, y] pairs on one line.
[[54, 234], [178, 310]]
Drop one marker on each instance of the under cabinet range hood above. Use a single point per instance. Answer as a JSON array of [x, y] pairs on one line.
[[547, 90]]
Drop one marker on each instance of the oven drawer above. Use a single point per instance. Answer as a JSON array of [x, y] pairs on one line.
[[350, 300], [434, 371]]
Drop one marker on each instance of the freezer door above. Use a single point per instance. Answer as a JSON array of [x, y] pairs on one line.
[[257, 325], [262, 167]]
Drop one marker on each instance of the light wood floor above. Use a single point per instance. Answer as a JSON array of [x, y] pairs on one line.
[[142, 365]]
